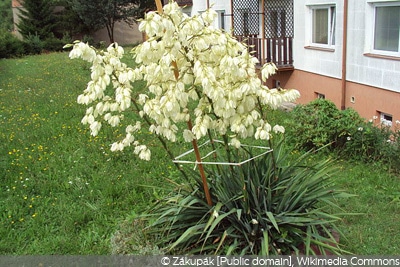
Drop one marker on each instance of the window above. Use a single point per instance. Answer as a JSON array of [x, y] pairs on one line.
[[386, 119], [323, 25], [221, 19], [319, 95], [386, 27]]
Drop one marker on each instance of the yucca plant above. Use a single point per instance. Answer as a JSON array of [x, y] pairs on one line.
[[272, 205]]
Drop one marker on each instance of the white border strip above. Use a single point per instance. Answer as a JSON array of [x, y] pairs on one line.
[[179, 159]]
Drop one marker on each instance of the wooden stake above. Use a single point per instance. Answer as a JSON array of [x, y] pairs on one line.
[[201, 169], [159, 6]]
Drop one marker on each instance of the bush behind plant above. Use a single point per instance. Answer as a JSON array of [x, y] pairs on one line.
[[374, 142], [33, 44], [320, 123]]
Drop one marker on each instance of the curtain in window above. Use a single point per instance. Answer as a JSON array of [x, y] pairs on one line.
[[387, 25], [320, 26]]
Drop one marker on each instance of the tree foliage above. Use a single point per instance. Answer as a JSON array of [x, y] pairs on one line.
[[6, 22], [68, 21], [37, 18], [98, 14]]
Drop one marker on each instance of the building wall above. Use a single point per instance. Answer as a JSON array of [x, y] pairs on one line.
[[362, 67], [310, 85], [368, 101], [372, 83], [313, 59], [218, 5]]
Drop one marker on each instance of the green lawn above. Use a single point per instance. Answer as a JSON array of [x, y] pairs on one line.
[[377, 230], [63, 192]]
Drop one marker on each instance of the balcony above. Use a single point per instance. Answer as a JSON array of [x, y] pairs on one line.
[[277, 50], [267, 26]]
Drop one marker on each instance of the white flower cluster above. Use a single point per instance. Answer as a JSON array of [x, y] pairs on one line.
[[108, 70], [184, 60]]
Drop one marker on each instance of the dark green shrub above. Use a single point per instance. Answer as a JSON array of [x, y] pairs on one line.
[[33, 44], [366, 142], [320, 123], [372, 142], [10, 46], [66, 39], [391, 150], [88, 39], [272, 205], [53, 44]]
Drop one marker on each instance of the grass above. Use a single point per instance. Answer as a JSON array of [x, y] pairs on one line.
[[376, 231], [63, 192]]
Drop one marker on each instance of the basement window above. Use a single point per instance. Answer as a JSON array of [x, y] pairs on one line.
[[386, 119]]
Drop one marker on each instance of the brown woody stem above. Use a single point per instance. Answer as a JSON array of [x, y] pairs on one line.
[[200, 165]]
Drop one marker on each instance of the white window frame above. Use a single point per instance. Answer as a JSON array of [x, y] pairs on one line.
[[331, 25], [221, 19], [217, 23], [371, 29]]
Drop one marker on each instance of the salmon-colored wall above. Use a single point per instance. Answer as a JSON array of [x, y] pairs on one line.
[[369, 101], [310, 84]]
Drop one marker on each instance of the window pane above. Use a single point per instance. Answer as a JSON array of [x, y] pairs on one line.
[[387, 22], [320, 26], [332, 25]]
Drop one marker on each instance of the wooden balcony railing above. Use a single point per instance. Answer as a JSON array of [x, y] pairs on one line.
[[277, 50]]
